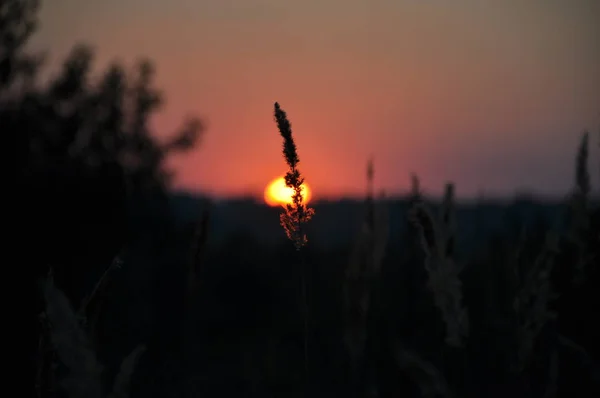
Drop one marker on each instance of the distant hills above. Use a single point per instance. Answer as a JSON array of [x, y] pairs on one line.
[[336, 224]]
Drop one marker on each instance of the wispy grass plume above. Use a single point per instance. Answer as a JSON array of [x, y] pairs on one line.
[[72, 346], [438, 241], [532, 304], [297, 213], [75, 350]]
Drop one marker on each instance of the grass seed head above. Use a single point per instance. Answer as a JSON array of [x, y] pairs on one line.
[[297, 213]]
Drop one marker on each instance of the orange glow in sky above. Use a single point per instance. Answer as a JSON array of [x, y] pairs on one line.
[[492, 96], [277, 193]]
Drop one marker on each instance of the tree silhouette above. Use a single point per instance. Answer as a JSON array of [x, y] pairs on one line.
[[106, 122], [81, 141], [84, 153], [17, 23]]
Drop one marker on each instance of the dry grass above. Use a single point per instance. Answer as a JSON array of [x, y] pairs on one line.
[[438, 237], [75, 351], [297, 213], [532, 300], [533, 303], [363, 270]]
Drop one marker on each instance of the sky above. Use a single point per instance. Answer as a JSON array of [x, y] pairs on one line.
[[492, 95]]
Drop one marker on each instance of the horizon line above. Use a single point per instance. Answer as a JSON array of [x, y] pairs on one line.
[[486, 197]]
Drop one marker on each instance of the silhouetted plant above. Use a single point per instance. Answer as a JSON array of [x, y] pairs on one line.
[[361, 284], [297, 213], [438, 241], [76, 352], [579, 214]]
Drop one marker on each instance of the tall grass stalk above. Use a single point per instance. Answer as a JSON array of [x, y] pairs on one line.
[[362, 277], [295, 216], [438, 242]]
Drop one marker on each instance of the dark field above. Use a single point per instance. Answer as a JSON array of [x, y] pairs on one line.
[[214, 293]]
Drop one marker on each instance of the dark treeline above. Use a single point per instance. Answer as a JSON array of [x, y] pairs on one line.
[[175, 296]]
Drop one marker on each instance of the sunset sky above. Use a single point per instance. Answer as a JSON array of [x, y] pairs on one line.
[[490, 94]]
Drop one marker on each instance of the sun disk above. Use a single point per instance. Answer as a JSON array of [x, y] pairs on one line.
[[278, 194]]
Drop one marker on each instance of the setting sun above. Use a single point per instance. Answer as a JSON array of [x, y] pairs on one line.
[[277, 193]]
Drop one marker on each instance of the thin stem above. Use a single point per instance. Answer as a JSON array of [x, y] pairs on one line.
[[306, 314]]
